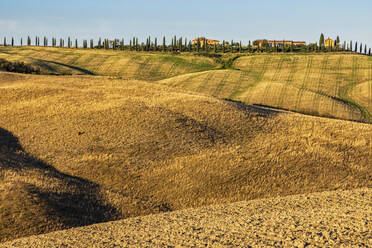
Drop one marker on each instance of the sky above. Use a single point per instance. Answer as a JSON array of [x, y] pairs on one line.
[[238, 20]]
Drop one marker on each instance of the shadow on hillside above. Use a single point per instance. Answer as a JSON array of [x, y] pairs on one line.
[[77, 203], [261, 110], [84, 71]]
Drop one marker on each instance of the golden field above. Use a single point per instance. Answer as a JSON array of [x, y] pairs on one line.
[[324, 219], [83, 149], [329, 85], [113, 135]]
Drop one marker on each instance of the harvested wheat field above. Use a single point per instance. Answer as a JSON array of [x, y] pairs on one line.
[[335, 85], [129, 65], [78, 150], [329, 219], [328, 85]]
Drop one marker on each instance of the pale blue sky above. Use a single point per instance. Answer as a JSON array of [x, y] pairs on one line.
[[218, 19]]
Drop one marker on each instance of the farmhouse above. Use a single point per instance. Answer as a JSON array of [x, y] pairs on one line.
[[202, 40], [329, 42], [278, 43]]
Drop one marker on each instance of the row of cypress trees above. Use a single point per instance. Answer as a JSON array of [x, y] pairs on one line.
[[184, 45], [350, 47]]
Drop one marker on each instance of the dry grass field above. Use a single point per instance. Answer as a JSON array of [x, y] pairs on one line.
[[331, 85], [128, 65], [77, 150], [324, 219]]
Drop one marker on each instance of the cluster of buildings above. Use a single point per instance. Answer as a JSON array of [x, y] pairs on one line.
[[261, 43], [278, 43], [203, 40]]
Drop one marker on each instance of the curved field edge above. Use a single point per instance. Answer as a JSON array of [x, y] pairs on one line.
[[312, 84]]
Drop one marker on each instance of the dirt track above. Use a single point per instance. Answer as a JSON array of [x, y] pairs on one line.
[[336, 219]]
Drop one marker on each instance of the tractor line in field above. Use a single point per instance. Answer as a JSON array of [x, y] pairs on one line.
[[288, 82], [301, 91]]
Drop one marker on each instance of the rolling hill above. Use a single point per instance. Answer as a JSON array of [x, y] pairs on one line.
[[329, 85], [313, 220], [111, 148], [128, 65]]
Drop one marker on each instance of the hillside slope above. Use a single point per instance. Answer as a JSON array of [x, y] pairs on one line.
[[326, 84], [332, 85], [329, 219], [148, 148], [128, 65]]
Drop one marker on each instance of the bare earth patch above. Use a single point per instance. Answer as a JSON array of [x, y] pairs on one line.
[[337, 219]]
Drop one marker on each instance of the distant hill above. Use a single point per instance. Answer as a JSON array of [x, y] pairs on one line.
[[109, 149], [331, 85], [128, 65], [326, 84]]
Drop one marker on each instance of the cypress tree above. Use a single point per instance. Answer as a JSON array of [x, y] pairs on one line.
[[21, 42], [69, 42], [249, 46], [4, 41], [174, 43], [190, 46], [365, 49], [91, 44], [337, 42], [122, 45], [351, 46], [164, 48], [356, 47], [180, 43], [12, 42], [76, 43], [130, 45], [28, 41], [137, 44], [369, 52], [99, 45], [321, 41], [344, 46], [361, 48], [156, 45], [240, 46], [186, 44]]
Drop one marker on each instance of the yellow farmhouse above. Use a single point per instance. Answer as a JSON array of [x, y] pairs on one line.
[[202, 41], [329, 42]]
